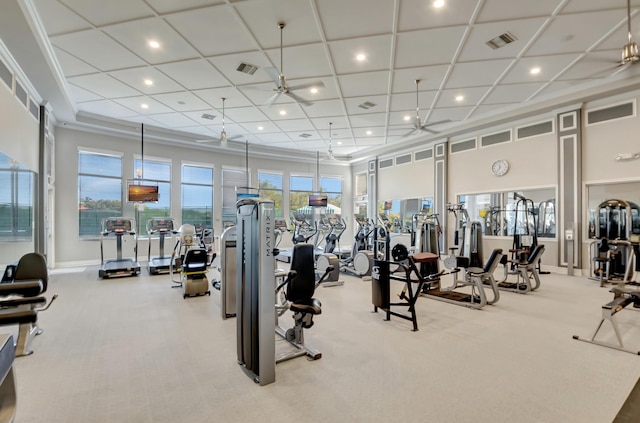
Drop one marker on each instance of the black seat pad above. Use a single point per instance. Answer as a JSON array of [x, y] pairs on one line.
[[29, 316], [310, 305], [31, 288]]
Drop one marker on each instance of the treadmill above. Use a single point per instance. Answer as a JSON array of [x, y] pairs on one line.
[[118, 227], [162, 227]]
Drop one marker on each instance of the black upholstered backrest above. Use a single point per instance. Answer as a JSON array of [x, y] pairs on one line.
[[536, 254], [603, 245], [494, 260], [195, 260], [303, 284], [33, 266]]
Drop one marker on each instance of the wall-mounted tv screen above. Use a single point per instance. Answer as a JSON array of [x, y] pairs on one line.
[[143, 193], [318, 201]]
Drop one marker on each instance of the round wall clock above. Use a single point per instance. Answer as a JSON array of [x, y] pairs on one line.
[[500, 167]]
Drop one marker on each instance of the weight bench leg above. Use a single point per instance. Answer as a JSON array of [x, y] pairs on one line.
[[25, 332]]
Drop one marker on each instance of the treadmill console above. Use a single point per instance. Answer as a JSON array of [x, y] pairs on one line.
[[117, 225]]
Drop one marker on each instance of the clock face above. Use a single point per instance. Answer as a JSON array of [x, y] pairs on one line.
[[499, 167]]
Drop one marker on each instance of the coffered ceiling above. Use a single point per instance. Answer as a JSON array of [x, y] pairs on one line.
[[102, 52]]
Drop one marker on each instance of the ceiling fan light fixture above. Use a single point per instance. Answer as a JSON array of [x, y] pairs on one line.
[[630, 53]]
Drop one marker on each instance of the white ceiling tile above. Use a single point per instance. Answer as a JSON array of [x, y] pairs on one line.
[[213, 96], [368, 121], [406, 102], [338, 123], [254, 127], [262, 17], [475, 48], [451, 113], [135, 36], [102, 13], [376, 50], [182, 101], [471, 96], [304, 61], [276, 137], [563, 36], [367, 141], [194, 74], [325, 108], [490, 109], [295, 125], [293, 111], [135, 78], [103, 85], [504, 10], [418, 14], [135, 103], [97, 49], [60, 19], [517, 93], [477, 74], [71, 65], [212, 31], [358, 85], [338, 18], [549, 67], [175, 120], [245, 114], [169, 6], [430, 78], [228, 64], [107, 108], [574, 6], [427, 47], [309, 144], [593, 65], [80, 95]]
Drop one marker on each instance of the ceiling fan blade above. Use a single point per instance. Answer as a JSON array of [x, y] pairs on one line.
[[235, 137], [435, 123], [272, 99], [298, 99], [425, 129], [411, 132], [274, 75], [205, 141], [317, 84]]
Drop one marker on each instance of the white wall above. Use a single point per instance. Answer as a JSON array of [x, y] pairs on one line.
[[410, 180], [72, 251]]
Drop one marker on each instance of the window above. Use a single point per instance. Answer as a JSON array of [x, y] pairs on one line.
[[270, 185], [332, 186], [160, 173], [231, 179], [300, 188], [197, 196], [99, 190], [16, 200]]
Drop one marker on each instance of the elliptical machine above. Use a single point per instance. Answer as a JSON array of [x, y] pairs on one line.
[[360, 262], [329, 258], [190, 260]]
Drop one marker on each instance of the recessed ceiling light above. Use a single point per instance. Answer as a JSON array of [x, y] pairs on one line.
[[407, 118], [154, 44], [360, 57], [369, 132], [260, 128], [339, 143], [283, 112], [314, 90], [459, 97], [438, 4], [534, 71], [144, 105], [148, 82]]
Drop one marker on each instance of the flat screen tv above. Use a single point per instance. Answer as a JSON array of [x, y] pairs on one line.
[[143, 193], [317, 200]]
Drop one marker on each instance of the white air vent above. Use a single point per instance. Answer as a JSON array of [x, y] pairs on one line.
[[305, 135], [501, 40], [247, 68], [207, 116], [385, 163], [367, 105]]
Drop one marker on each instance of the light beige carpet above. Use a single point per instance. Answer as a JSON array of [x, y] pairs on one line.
[[132, 350]]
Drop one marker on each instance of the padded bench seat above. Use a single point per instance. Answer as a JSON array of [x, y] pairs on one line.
[[31, 288], [18, 317]]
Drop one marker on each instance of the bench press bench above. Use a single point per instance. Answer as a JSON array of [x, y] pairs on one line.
[[622, 298]]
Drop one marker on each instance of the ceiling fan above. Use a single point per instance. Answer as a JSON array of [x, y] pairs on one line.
[[630, 50], [418, 125], [281, 81], [223, 135], [330, 155]]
